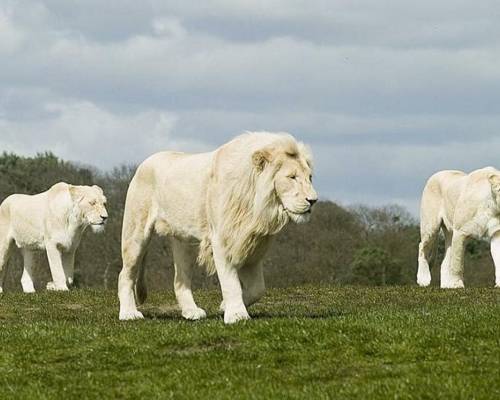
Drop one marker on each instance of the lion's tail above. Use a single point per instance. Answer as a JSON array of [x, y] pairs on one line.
[[205, 256]]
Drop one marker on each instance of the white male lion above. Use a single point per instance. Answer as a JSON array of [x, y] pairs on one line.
[[463, 206], [220, 210], [53, 221]]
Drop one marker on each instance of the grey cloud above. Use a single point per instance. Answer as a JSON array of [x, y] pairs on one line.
[[386, 92]]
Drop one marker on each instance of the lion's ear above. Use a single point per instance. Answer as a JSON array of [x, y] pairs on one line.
[[260, 158], [306, 152], [76, 193], [494, 182]]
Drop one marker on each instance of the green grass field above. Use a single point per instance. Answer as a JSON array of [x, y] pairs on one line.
[[314, 343]]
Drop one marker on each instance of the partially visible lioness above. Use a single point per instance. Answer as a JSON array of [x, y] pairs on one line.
[[463, 206], [53, 221], [220, 209]]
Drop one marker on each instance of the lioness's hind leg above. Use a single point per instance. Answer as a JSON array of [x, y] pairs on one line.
[[495, 252], [425, 250], [137, 231], [5, 251], [27, 277], [184, 260], [452, 273]]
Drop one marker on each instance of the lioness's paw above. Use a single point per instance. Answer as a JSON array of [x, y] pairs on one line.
[[52, 286], [233, 317], [496, 285], [194, 314], [130, 315]]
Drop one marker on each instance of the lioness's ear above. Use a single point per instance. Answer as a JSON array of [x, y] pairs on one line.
[[260, 158], [98, 188], [494, 182]]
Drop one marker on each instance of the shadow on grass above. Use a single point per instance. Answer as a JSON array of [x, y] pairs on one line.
[[322, 314], [172, 313]]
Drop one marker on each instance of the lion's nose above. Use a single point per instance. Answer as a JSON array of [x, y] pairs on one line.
[[312, 201], [104, 217]]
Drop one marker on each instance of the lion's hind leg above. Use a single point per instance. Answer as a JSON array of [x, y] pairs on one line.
[[252, 282], [184, 259]]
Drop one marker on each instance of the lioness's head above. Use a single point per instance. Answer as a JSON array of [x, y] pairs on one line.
[[290, 166], [91, 202]]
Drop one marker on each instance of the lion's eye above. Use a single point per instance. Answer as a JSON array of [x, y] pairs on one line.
[[294, 177]]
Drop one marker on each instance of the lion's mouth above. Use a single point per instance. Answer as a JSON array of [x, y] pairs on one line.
[[298, 213]]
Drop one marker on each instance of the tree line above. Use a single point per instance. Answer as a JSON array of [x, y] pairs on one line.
[[357, 245]]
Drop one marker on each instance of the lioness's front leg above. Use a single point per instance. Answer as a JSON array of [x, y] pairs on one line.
[[68, 260], [452, 275], [232, 295], [495, 252], [56, 268]]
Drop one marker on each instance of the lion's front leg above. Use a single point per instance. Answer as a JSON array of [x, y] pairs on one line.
[[56, 268], [452, 274], [232, 294]]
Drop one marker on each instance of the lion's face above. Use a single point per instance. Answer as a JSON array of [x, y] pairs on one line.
[[293, 184], [92, 204]]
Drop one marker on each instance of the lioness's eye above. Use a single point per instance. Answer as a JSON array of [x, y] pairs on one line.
[[294, 177]]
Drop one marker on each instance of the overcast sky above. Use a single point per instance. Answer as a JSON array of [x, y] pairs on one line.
[[386, 92]]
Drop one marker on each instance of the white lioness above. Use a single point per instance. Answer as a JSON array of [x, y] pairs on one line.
[[463, 206], [220, 210], [53, 221]]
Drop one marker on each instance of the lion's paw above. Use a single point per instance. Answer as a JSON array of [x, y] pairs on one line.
[[459, 284], [236, 316], [194, 314], [53, 287], [130, 315], [424, 280], [496, 285]]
